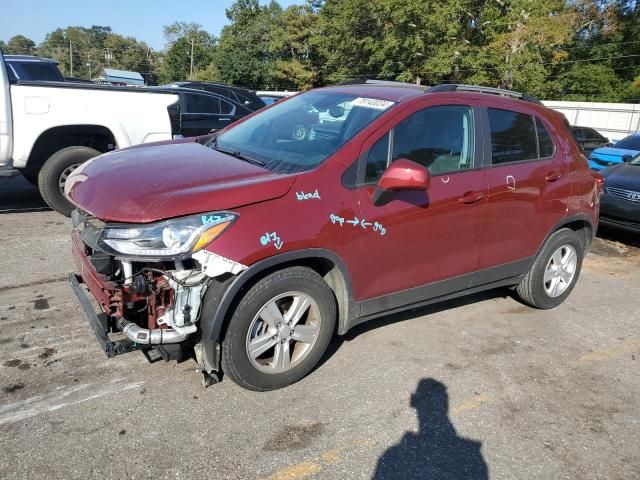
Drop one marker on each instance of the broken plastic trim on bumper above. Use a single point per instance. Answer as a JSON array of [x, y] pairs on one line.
[[98, 322]]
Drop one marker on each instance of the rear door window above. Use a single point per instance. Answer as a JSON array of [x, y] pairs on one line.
[[517, 137], [202, 104], [513, 136]]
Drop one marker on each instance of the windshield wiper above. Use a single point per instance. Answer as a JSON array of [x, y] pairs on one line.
[[235, 153]]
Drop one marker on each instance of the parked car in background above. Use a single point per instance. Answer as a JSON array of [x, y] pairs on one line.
[[269, 100], [623, 151], [28, 67], [240, 95], [48, 128], [589, 139], [254, 250], [620, 203], [203, 112], [270, 97]]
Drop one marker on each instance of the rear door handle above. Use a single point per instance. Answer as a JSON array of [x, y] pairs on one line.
[[224, 119], [553, 176], [471, 197]]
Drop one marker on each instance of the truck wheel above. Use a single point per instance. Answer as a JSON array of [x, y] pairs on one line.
[[555, 271], [279, 330], [54, 173]]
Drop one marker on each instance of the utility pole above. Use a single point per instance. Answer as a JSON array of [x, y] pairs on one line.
[[191, 66], [71, 57], [108, 56], [89, 65]]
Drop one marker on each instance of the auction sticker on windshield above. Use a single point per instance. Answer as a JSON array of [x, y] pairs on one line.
[[371, 103]]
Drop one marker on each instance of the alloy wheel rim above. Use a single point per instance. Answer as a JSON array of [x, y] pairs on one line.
[[283, 332], [62, 180], [560, 270], [299, 132]]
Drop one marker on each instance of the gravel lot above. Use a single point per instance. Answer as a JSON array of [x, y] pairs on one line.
[[481, 387]]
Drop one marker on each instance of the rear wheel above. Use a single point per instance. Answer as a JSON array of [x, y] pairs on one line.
[[280, 330], [554, 273], [54, 174]]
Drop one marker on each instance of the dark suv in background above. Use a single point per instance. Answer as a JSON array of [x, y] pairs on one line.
[[240, 95]]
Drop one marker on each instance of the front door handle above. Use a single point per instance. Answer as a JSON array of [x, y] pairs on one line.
[[553, 176], [471, 197], [224, 119]]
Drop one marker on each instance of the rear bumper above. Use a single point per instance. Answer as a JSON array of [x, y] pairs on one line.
[[99, 323]]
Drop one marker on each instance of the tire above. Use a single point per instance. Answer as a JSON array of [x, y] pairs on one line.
[[54, 168], [549, 281], [263, 372]]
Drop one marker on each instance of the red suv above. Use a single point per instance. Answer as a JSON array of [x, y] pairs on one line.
[[254, 250]]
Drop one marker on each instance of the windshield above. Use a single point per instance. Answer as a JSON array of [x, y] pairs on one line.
[[301, 133], [632, 142]]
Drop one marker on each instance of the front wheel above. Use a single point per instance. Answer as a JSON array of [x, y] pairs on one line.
[[279, 330], [53, 175], [555, 271]]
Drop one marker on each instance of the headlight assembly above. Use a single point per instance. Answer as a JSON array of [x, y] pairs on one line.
[[167, 239]]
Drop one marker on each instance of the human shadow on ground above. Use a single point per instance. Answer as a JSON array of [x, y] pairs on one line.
[[435, 452]]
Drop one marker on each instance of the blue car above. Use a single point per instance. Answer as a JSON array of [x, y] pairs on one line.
[[623, 151]]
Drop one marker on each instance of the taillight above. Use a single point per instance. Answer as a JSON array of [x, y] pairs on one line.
[[174, 118], [599, 180]]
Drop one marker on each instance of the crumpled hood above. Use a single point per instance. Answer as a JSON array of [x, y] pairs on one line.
[[141, 185]]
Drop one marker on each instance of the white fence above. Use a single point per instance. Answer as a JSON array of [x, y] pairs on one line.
[[613, 120]]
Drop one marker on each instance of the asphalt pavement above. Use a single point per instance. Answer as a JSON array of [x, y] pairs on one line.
[[480, 387]]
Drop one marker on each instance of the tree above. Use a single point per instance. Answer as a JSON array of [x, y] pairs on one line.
[[189, 51], [295, 45], [19, 45], [589, 82], [243, 56]]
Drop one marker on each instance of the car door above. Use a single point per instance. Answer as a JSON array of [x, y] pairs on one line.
[[421, 237], [528, 187], [203, 113]]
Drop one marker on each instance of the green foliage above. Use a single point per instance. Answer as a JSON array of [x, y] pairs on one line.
[[89, 50], [556, 49], [244, 56], [19, 45], [184, 40]]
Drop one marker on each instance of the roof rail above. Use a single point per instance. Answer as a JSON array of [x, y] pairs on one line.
[[454, 87], [371, 81]]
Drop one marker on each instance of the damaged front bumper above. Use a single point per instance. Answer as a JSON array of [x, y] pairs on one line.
[[153, 305], [99, 322]]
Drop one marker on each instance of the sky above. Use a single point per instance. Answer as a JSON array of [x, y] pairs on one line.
[[141, 19]]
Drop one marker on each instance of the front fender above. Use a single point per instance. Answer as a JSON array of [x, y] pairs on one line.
[[222, 294]]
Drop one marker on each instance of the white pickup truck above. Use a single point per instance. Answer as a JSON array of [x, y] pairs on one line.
[[48, 128]]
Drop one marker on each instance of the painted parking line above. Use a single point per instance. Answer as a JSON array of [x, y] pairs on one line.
[[313, 466]]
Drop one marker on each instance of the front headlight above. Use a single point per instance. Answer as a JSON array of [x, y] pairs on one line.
[[169, 238]]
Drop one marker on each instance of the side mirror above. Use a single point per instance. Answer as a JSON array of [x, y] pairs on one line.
[[402, 174], [626, 158]]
